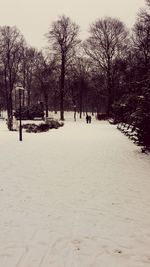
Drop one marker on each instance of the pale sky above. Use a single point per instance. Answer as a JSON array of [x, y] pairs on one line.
[[33, 17]]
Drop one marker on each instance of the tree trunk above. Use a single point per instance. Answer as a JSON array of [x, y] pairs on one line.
[[9, 104], [109, 89], [9, 113], [28, 97], [81, 100], [46, 105], [62, 83]]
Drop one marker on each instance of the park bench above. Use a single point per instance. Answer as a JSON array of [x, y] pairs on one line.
[[111, 121], [130, 131], [133, 135], [120, 126], [125, 128]]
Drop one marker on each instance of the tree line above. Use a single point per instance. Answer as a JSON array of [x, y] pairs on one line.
[[106, 73]]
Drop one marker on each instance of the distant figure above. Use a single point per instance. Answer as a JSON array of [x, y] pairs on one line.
[[87, 118], [90, 119]]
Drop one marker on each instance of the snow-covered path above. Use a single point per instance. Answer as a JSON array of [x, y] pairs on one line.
[[78, 196]]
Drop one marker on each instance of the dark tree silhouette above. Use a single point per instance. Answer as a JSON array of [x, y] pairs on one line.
[[108, 40], [11, 54], [63, 38]]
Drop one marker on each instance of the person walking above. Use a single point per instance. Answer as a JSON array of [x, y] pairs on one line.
[[87, 118]]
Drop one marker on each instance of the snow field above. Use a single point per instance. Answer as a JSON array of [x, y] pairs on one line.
[[77, 196]]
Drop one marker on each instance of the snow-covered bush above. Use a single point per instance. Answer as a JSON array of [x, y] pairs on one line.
[[54, 123], [42, 127]]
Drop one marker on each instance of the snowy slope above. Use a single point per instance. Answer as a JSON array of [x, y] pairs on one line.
[[78, 196]]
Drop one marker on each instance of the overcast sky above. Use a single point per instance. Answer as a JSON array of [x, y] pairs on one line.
[[33, 17]]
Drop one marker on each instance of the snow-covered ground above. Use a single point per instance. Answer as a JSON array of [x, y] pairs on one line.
[[78, 196]]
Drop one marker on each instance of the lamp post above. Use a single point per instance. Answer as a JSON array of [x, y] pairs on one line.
[[20, 88]]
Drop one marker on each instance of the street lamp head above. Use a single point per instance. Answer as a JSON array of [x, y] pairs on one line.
[[20, 87]]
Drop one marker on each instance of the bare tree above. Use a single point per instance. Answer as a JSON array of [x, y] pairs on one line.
[[80, 73], [45, 75], [63, 38], [11, 53], [141, 39], [28, 67], [108, 40]]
